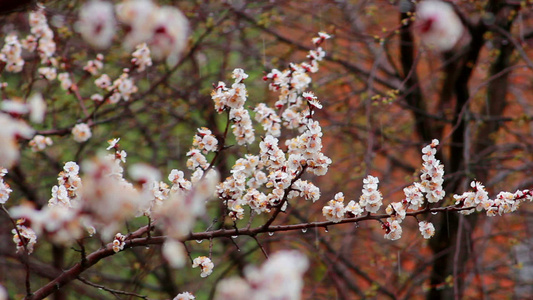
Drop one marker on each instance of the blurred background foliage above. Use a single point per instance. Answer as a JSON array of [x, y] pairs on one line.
[[371, 125]]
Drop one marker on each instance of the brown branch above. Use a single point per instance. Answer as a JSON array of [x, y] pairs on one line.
[[73, 273], [135, 240]]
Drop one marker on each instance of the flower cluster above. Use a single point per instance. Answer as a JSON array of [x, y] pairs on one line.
[[42, 33], [196, 160], [233, 190], [426, 229], [307, 147], [158, 192], [5, 189], [179, 183], [118, 242], [392, 227], [61, 224], [295, 79], [507, 202], [103, 82], [65, 218], [249, 174], [41, 38], [205, 264], [431, 185], [67, 192], [94, 66], [304, 189], [106, 199], [397, 212], [371, 199], [141, 57], [414, 198], [48, 73], [123, 87], [11, 54], [432, 174], [280, 277], [268, 118], [205, 141], [232, 100], [334, 211], [242, 127], [66, 82], [24, 236], [478, 199], [393, 230], [432, 180]]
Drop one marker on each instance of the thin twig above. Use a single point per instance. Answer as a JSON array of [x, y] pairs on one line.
[[112, 291], [26, 254], [456, 258]]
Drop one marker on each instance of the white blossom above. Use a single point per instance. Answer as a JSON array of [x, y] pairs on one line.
[[11, 130], [118, 242], [81, 132], [280, 277], [334, 211], [39, 143], [184, 296], [5, 189], [426, 229], [174, 252], [11, 54], [205, 264], [141, 57], [97, 23], [438, 25]]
